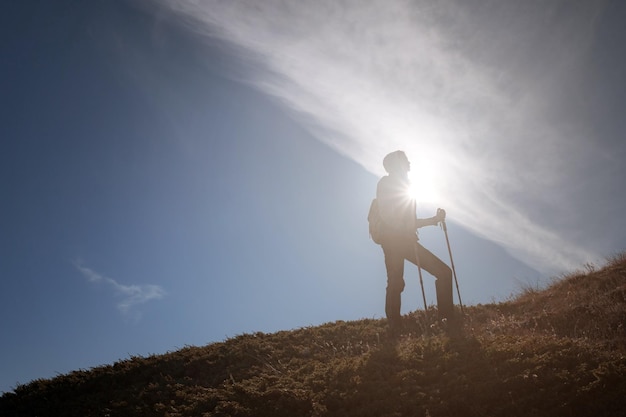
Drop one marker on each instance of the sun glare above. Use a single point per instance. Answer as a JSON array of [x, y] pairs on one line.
[[426, 181]]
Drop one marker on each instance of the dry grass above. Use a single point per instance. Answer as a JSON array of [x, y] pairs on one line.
[[560, 351]]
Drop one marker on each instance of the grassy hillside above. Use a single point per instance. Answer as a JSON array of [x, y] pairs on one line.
[[559, 351]]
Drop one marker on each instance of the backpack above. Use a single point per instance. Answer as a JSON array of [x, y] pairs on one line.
[[375, 222]]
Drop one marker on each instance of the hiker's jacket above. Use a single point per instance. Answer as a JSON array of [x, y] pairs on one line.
[[397, 207]]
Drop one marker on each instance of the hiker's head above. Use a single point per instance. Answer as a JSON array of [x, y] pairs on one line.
[[397, 163]]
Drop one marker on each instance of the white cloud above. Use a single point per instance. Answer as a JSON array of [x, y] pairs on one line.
[[478, 91], [132, 295]]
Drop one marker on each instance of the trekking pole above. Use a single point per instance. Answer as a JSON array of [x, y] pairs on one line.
[[456, 281], [419, 270]]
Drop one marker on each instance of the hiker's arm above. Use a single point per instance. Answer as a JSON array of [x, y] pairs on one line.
[[431, 221]]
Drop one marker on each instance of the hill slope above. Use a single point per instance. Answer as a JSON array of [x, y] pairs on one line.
[[555, 352]]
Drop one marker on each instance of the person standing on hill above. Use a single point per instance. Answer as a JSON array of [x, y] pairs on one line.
[[399, 239]]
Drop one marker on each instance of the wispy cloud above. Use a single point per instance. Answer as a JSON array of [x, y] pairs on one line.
[[132, 295], [476, 96]]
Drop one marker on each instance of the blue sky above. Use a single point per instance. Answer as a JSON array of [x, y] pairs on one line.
[[178, 172]]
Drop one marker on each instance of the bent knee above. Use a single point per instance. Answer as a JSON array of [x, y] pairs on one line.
[[445, 274]]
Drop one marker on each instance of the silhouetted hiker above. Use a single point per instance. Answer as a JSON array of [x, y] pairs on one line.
[[399, 239]]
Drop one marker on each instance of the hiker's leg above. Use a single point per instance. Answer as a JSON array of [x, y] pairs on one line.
[[443, 279], [394, 262]]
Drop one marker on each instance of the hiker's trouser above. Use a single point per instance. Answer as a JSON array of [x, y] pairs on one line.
[[396, 250]]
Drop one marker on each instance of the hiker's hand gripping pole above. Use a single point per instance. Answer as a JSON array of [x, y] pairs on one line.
[[456, 281]]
